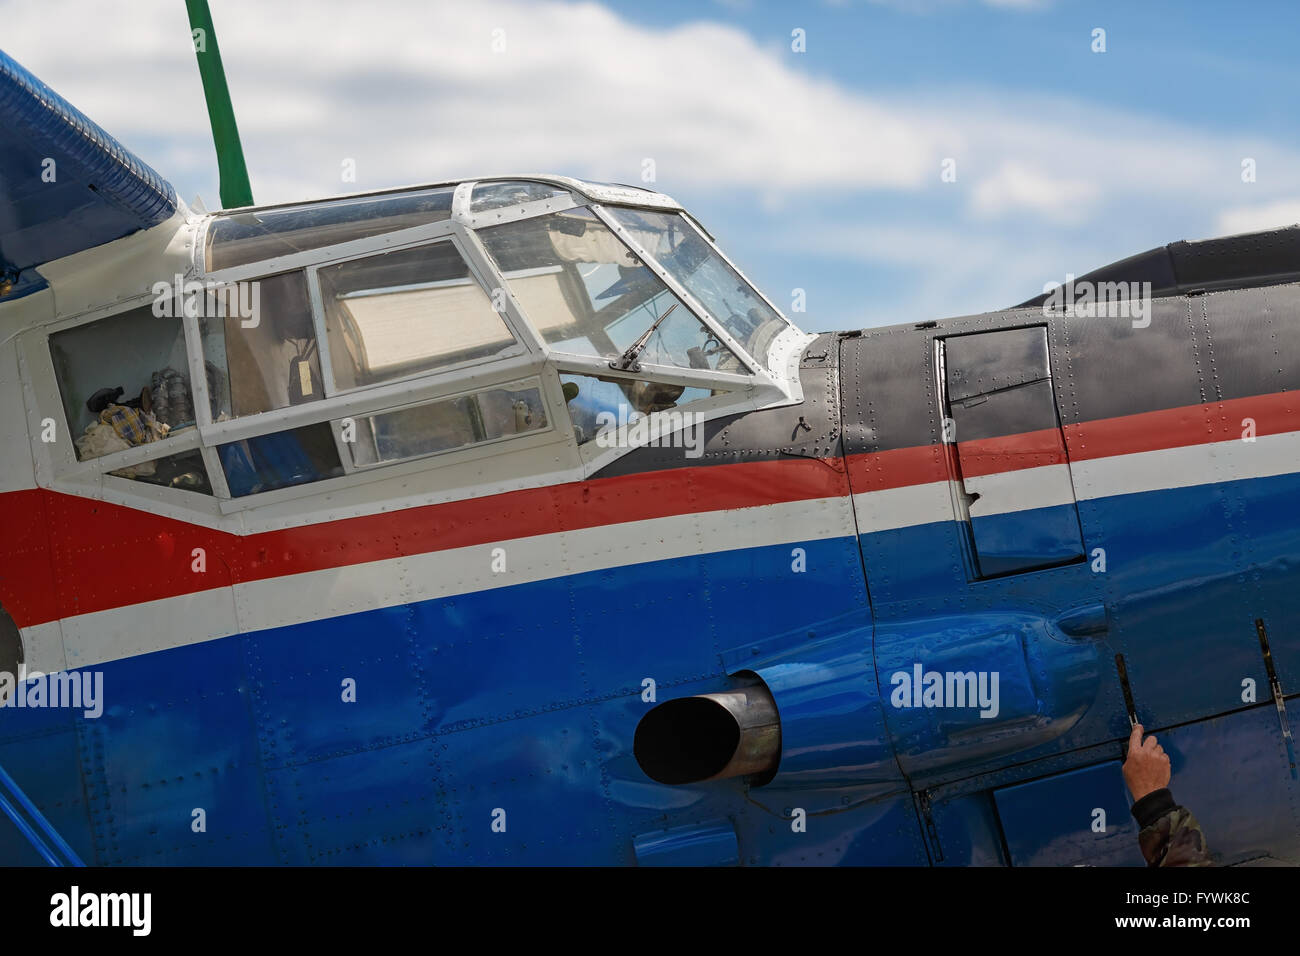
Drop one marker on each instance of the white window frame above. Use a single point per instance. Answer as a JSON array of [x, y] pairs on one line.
[[758, 371], [532, 361], [353, 476], [461, 227]]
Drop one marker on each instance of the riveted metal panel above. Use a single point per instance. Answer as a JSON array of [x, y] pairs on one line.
[[993, 362], [1080, 817]]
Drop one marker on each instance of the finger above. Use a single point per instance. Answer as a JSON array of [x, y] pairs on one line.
[[1135, 738], [1159, 751], [1150, 744]]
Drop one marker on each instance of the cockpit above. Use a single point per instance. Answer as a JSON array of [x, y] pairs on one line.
[[313, 341]]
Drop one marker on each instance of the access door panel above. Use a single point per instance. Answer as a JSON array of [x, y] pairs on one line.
[[1010, 452]]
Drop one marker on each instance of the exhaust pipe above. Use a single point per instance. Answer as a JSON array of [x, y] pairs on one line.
[[711, 737]]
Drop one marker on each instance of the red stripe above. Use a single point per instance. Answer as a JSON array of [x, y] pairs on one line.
[[27, 588], [1273, 414], [898, 467], [107, 556], [110, 556], [991, 456]]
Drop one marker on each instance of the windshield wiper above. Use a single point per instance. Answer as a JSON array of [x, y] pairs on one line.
[[628, 361]]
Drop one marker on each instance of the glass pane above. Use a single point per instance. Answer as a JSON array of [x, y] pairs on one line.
[[581, 286], [399, 313], [488, 196], [184, 471], [691, 260], [124, 381], [603, 403], [445, 425], [274, 363], [239, 238], [275, 461]]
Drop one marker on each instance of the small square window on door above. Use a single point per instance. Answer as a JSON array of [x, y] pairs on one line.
[[1010, 452]]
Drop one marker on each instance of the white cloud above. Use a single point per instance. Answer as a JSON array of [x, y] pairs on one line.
[[1017, 188], [414, 92], [418, 93], [946, 272], [1285, 212]]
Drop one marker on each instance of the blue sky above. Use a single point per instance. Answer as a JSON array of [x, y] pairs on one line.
[[818, 170], [1224, 70]]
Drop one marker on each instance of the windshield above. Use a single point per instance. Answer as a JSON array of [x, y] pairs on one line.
[[685, 254], [587, 293]]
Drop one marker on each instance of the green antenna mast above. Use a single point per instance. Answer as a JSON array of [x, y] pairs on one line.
[[235, 189]]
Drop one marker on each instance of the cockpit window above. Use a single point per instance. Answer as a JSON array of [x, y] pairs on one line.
[[268, 361], [243, 237], [489, 196], [399, 313], [448, 424], [587, 293], [280, 460], [124, 381], [185, 471], [691, 260], [599, 405]]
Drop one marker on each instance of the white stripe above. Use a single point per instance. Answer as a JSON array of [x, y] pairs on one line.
[[1004, 493], [90, 639], [104, 636], [893, 508], [1010, 491], [1265, 457], [43, 648]]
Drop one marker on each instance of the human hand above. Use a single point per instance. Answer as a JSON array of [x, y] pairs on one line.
[[1147, 767]]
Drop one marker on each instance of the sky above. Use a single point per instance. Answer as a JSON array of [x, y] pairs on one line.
[[879, 161]]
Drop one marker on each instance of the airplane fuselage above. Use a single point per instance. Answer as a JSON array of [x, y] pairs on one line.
[[960, 556]]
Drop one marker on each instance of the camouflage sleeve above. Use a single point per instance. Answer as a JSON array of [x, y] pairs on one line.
[[1170, 835]]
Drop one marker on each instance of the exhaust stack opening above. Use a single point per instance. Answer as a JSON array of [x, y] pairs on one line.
[[711, 737]]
